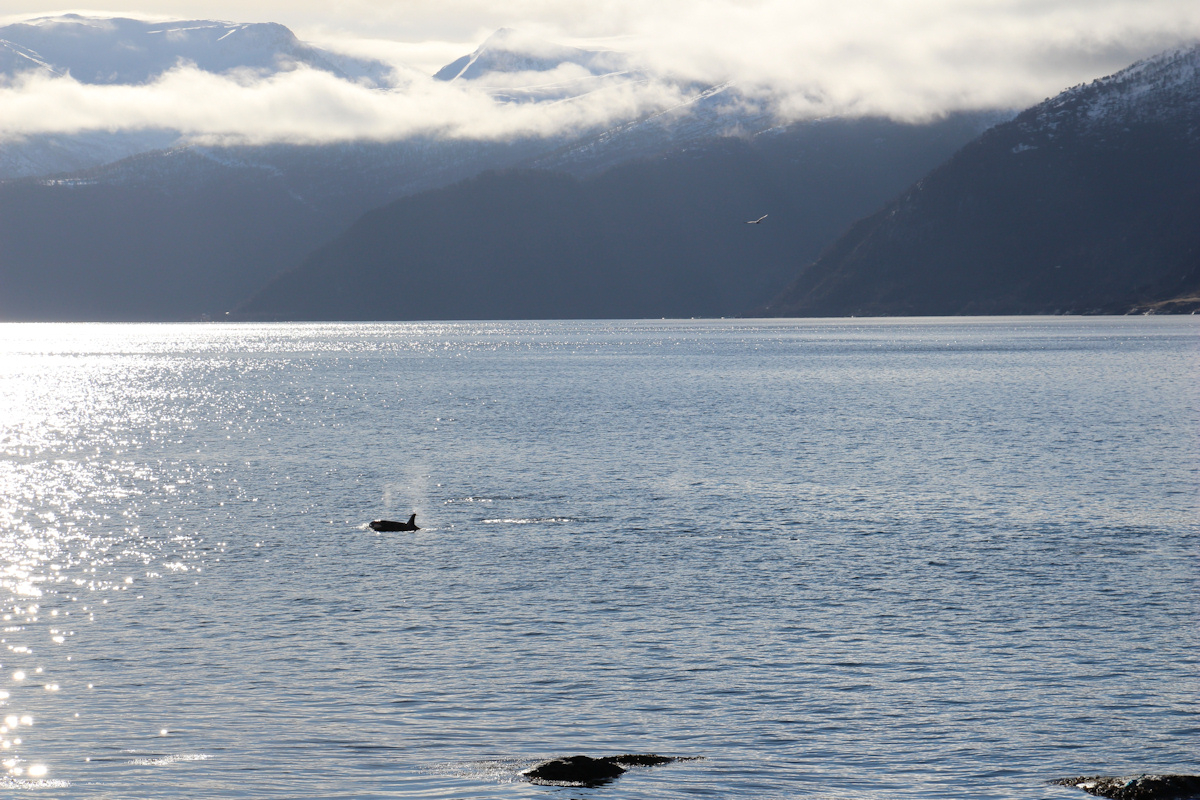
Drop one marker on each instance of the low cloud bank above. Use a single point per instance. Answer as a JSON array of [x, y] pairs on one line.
[[907, 59], [307, 106]]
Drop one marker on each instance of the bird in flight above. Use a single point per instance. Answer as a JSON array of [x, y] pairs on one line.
[[756, 221]]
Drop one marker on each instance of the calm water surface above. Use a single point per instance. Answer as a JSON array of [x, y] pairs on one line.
[[836, 559]]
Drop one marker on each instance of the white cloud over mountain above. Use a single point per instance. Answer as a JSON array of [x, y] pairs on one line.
[[304, 105], [909, 60]]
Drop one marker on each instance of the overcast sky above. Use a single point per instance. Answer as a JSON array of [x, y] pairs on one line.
[[905, 58]]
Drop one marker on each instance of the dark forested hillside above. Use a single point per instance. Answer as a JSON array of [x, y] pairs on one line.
[[652, 238], [193, 231], [1086, 203]]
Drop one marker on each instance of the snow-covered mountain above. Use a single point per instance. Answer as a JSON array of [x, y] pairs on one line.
[[509, 52], [131, 51]]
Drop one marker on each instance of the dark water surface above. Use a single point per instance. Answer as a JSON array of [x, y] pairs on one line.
[[837, 559]]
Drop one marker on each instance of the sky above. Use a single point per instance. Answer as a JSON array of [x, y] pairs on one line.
[[908, 59]]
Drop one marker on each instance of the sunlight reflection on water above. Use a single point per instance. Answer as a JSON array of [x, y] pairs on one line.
[[838, 559]]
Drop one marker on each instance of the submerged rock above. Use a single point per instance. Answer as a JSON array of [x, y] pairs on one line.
[[1138, 787], [588, 771]]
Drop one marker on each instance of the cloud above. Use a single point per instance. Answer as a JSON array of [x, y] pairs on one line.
[[305, 106], [908, 59]]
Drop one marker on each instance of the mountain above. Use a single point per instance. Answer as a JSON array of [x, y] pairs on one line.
[[657, 237], [131, 52], [558, 71], [709, 113], [115, 252], [1086, 203], [137, 226], [510, 66], [516, 68], [193, 231], [57, 154], [102, 50]]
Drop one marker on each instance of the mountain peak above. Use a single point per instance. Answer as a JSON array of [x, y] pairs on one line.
[[509, 51], [500, 37]]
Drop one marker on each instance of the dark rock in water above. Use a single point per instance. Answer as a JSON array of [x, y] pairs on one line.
[[392, 525], [1138, 787], [591, 772]]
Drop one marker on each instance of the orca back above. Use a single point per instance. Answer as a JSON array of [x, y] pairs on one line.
[[390, 525]]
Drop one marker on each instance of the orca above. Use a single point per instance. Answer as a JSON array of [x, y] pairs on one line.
[[593, 772], [392, 525]]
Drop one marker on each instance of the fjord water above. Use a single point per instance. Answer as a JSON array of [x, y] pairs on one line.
[[836, 559]]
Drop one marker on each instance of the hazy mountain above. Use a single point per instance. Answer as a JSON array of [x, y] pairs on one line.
[[192, 231], [658, 237], [302, 196], [53, 154], [117, 252], [510, 66], [1088, 202]]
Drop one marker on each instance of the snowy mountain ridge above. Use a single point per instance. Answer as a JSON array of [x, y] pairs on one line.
[[119, 50], [1163, 88]]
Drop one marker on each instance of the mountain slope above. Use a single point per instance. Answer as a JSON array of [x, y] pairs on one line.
[[1085, 203], [662, 237]]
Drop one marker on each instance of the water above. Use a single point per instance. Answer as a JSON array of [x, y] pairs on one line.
[[836, 559]]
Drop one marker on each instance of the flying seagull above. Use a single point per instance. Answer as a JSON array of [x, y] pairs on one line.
[[756, 221]]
